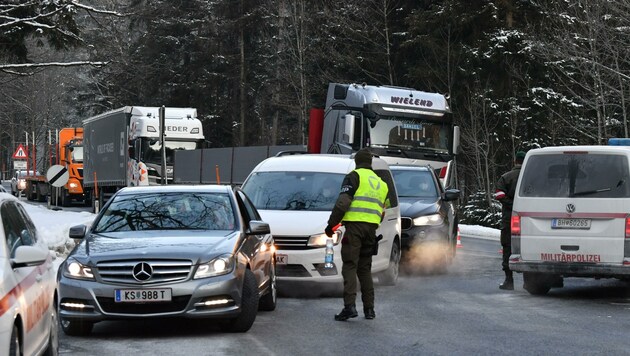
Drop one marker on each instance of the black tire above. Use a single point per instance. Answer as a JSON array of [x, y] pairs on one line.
[[537, 283], [53, 339], [249, 305], [389, 277], [76, 327], [268, 301], [15, 348]]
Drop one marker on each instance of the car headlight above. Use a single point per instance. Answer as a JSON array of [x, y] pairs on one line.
[[77, 270], [433, 219], [319, 240], [220, 265]]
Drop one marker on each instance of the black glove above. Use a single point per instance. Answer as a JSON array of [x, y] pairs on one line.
[[329, 231]]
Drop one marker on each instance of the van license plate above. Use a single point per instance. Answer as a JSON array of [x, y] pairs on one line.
[[571, 223], [282, 259]]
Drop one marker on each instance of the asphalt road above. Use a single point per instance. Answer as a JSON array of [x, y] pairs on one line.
[[460, 313]]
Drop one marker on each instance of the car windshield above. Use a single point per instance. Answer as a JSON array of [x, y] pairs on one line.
[[168, 211], [413, 183], [312, 191], [576, 175]]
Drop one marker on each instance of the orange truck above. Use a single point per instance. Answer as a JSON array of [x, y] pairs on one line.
[[69, 155]]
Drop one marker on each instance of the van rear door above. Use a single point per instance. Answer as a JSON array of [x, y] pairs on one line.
[[573, 206]]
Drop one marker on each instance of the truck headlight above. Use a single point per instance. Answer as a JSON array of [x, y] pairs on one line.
[[220, 265], [319, 240], [433, 219], [76, 270]]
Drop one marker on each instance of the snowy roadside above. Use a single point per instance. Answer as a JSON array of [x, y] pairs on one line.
[[479, 232]]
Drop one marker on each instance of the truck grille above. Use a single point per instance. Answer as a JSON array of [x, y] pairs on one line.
[[159, 271], [291, 242]]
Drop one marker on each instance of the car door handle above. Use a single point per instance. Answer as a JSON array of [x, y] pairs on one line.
[[569, 247]]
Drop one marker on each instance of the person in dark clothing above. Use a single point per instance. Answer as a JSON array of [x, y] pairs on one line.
[[359, 208], [505, 190]]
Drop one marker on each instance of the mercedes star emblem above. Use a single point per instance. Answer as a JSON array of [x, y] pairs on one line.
[[142, 272], [570, 208]]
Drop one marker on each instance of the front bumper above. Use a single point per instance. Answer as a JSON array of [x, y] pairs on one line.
[[308, 265], [571, 269], [424, 234], [187, 299]]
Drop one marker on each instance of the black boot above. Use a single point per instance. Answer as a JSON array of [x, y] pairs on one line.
[[349, 311], [508, 284], [369, 313]]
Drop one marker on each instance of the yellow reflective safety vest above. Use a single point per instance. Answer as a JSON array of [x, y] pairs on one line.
[[367, 204]]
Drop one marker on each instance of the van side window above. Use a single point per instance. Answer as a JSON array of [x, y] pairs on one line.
[[576, 175], [386, 176]]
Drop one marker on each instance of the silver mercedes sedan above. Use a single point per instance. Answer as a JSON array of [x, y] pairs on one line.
[[170, 251]]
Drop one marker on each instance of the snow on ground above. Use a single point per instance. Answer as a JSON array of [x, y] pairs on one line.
[[53, 227]]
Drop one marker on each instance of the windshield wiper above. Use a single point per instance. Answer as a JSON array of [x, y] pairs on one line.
[[589, 192]]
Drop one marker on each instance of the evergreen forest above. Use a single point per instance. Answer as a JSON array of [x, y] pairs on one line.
[[521, 74]]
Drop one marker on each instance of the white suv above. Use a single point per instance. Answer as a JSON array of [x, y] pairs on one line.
[[295, 195], [571, 215]]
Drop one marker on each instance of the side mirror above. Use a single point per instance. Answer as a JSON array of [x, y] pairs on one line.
[[77, 232], [258, 228], [26, 256], [456, 140], [132, 151], [451, 194], [348, 135]]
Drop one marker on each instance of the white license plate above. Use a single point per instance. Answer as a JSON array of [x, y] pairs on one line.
[[282, 259], [142, 295], [570, 223]]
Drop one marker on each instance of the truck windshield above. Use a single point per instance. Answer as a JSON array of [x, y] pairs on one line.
[[152, 150], [408, 133], [312, 191]]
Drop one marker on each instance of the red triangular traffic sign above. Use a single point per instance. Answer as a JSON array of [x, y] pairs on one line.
[[20, 153]]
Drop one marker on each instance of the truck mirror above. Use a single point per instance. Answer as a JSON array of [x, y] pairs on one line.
[[455, 140], [132, 151], [349, 129]]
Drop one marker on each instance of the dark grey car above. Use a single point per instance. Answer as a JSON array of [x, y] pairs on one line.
[[428, 218], [170, 251]]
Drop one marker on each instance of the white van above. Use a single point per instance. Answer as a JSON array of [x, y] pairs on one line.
[[571, 215], [295, 194]]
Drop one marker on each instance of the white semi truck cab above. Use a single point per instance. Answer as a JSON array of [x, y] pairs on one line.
[[401, 125]]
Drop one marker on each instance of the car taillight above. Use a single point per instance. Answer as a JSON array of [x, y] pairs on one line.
[[515, 225], [628, 228]]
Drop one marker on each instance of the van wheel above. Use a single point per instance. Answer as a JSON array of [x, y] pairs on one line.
[[389, 277], [537, 283]]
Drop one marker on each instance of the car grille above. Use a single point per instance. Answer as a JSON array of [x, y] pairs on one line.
[[291, 242], [163, 271], [291, 271], [405, 223], [110, 306]]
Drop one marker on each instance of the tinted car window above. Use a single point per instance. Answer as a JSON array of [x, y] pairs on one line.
[[576, 175], [313, 191], [164, 211], [415, 183]]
